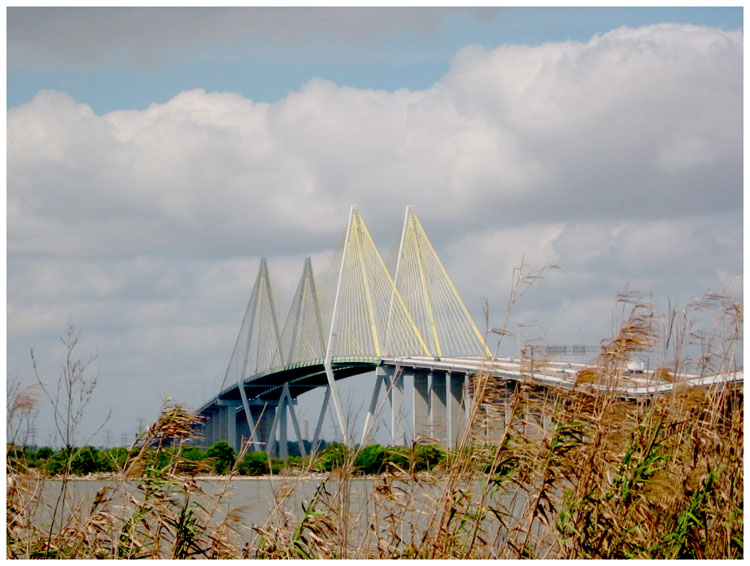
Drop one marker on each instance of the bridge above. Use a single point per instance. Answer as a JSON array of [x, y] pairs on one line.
[[404, 321]]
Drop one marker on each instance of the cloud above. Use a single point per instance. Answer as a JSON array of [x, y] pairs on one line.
[[619, 159], [623, 126]]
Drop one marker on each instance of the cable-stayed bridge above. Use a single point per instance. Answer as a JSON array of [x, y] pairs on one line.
[[404, 321]]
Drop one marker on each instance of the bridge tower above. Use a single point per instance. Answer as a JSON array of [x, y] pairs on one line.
[[430, 297], [303, 337], [301, 340], [258, 347], [369, 318], [373, 317]]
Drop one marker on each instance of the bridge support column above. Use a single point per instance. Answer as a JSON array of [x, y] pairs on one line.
[[421, 405], [219, 424], [207, 427], [225, 423], [252, 432], [295, 423], [277, 438], [279, 431], [398, 431], [468, 398], [276, 444], [457, 411], [213, 435], [263, 416], [282, 438], [438, 412], [232, 428], [495, 427], [336, 400], [321, 416], [382, 375]]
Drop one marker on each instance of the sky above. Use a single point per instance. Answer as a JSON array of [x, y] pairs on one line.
[[155, 155]]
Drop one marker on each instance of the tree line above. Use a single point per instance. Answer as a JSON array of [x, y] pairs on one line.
[[221, 458]]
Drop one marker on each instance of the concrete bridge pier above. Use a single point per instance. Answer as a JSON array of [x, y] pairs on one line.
[[421, 406], [221, 422], [439, 406], [226, 420], [230, 413], [493, 418], [281, 432], [279, 437], [205, 429], [383, 379], [398, 430], [263, 414], [457, 408], [438, 409], [216, 427]]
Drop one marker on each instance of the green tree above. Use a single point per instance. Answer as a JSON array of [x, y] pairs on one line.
[[57, 463], [84, 461], [222, 457], [253, 464], [276, 465], [192, 460], [398, 456], [44, 453], [16, 456], [331, 457], [426, 457], [370, 459], [193, 453], [112, 459]]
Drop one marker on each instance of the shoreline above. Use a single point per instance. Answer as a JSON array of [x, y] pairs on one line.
[[210, 477]]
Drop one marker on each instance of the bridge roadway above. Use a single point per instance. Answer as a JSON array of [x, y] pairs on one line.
[[271, 394], [560, 374]]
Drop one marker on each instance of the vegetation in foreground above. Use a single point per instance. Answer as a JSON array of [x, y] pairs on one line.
[[539, 474]]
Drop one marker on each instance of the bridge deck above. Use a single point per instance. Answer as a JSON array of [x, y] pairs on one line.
[[562, 374], [304, 377]]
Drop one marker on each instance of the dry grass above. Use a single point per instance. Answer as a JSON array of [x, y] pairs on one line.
[[149, 510]]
